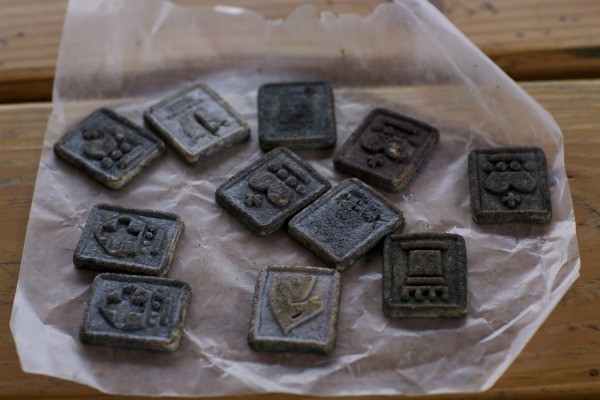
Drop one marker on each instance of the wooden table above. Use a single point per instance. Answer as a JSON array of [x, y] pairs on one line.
[[531, 40]]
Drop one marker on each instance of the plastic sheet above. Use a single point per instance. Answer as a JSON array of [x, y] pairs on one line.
[[405, 56]]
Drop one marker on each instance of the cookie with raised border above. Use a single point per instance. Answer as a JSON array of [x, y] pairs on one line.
[[109, 148], [129, 240]]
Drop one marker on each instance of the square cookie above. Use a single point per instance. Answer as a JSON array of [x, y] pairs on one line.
[[120, 239], [138, 312], [295, 309], [425, 276], [297, 115], [197, 123], [269, 192], [345, 223], [509, 185], [109, 148], [386, 149]]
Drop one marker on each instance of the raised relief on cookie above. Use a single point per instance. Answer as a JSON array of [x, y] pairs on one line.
[[129, 240], [295, 309], [197, 123], [134, 307], [386, 149], [424, 276], [135, 311], [345, 223], [290, 302], [509, 185], [109, 148], [270, 191]]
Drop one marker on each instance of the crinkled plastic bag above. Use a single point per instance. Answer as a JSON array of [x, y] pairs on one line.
[[406, 57]]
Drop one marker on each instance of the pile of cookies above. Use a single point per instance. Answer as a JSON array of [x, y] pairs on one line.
[[295, 308]]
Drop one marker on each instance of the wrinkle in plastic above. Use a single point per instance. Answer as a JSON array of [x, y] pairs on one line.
[[405, 56]]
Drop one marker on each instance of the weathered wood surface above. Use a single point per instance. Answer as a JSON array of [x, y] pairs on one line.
[[534, 39], [561, 361]]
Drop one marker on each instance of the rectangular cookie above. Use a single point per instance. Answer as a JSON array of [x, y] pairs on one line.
[[425, 276], [509, 185], [137, 312], [295, 309], [109, 148], [265, 195], [386, 149], [345, 223], [296, 115], [130, 240], [197, 123]]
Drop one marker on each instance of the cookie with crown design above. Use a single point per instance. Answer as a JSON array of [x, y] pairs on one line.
[[425, 276], [133, 311], [122, 239], [295, 309], [509, 185]]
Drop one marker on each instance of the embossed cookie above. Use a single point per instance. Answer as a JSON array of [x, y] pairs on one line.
[[121, 239], [386, 149], [269, 192], [509, 185], [295, 309], [345, 223], [425, 276], [110, 148], [297, 115], [138, 312], [197, 123]]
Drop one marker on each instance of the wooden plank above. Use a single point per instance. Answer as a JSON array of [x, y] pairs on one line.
[[534, 39], [561, 361]]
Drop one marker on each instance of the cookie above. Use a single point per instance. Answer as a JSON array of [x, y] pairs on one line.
[[345, 223], [133, 311], [295, 309], [109, 148], [425, 276], [509, 185], [386, 149], [197, 123], [297, 115], [130, 240], [265, 195]]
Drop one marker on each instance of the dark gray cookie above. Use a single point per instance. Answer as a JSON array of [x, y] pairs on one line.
[[138, 312], [130, 240], [295, 309], [270, 191], [197, 123], [425, 276], [297, 115], [509, 185], [386, 149], [110, 148], [345, 223]]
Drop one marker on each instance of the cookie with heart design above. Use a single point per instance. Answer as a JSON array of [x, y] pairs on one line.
[[509, 185], [266, 194], [295, 309]]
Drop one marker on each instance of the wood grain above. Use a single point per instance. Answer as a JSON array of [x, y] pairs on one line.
[[562, 361], [534, 39]]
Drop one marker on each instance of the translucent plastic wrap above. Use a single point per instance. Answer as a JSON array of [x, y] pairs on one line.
[[407, 57]]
